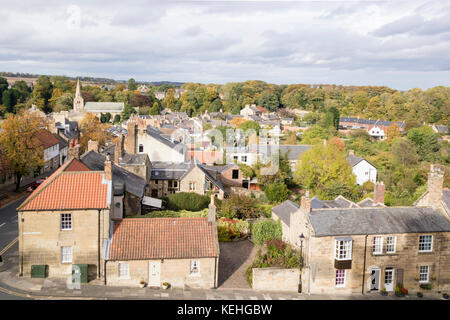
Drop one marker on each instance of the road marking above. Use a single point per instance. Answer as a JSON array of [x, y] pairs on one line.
[[9, 246], [1, 225]]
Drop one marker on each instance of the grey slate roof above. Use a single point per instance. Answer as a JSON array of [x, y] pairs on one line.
[[133, 183], [338, 202], [446, 198], [384, 220], [354, 160], [168, 170], [284, 211], [293, 151], [104, 106], [369, 202], [158, 135]]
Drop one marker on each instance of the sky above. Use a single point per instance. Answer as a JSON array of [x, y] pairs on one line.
[[400, 44]]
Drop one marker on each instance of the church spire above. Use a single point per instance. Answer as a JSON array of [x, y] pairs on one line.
[[78, 102], [78, 91]]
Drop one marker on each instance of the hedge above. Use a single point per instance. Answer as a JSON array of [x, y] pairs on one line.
[[187, 201], [264, 230]]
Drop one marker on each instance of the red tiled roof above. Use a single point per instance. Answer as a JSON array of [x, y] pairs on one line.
[[47, 139], [77, 165], [69, 189], [162, 238], [262, 109]]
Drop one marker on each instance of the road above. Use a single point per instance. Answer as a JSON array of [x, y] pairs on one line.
[[8, 223], [8, 232]]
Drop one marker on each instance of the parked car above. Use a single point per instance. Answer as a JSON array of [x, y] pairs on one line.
[[34, 185]]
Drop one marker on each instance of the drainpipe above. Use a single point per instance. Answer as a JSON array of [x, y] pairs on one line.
[[98, 246], [364, 267], [215, 273], [104, 270]]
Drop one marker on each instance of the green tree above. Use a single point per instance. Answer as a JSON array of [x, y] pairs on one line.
[[3, 86], [250, 125], [404, 152], [132, 84], [155, 109], [426, 142], [332, 118], [128, 110], [42, 93], [323, 170], [9, 99], [117, 118]]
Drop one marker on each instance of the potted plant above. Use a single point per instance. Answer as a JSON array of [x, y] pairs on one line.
[[445, 295], [165, 285], [384, 292], [419, 294], [142, 283]]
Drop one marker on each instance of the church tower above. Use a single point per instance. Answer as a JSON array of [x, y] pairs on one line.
[[78, 102]]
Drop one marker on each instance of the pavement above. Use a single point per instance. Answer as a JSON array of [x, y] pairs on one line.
[[14, 287]]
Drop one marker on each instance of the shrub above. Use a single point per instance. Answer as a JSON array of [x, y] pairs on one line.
[[276, 192], [264, 230], [239, 207], [187, 201], [230, 229]]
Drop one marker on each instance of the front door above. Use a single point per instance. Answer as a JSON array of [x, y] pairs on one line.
[[389, 279], [375, 279], [154, 274]]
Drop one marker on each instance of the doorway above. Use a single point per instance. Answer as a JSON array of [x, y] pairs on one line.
[[154, 274], [375, 279], [389, 279]]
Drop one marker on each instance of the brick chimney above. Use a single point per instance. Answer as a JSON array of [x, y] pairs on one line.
[[305, 203], [74, 150], [435, 185], [118, 150], [92, 146], [130, 140], [351, 152], [378, 192], [212, 210], [108, 168]]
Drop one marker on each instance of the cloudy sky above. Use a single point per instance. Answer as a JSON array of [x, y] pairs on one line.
[[401, 44]]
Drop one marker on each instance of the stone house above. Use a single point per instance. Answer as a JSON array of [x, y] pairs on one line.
[[55, 150], [181, 251], [367, 249], [199, 180], [65, 221], [250, 110]]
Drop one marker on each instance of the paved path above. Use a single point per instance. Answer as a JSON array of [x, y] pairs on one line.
[[234, 259]]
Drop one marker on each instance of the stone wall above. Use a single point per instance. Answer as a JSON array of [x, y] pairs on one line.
[[274, 279]]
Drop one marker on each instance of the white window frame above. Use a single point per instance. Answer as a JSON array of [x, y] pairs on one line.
[[65, 255], [393, 244], [340, 285], [347, 246], [65, 222], [377, 245], [427, 273], [124, 270], [195, 263], [244, 158], [431, 243]]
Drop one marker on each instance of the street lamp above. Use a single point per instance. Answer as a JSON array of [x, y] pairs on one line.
[[302, 237]]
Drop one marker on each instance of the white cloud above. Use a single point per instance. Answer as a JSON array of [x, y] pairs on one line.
[[364, 42]]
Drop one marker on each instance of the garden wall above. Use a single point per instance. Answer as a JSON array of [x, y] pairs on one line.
[[274, 279]]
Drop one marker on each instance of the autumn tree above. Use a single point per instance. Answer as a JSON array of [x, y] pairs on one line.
[[18, 143], [325, 171], [169, 100], [92, 129], [236, 122], [392, 132]]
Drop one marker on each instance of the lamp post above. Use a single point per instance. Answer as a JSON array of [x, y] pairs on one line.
[[302, 237]]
